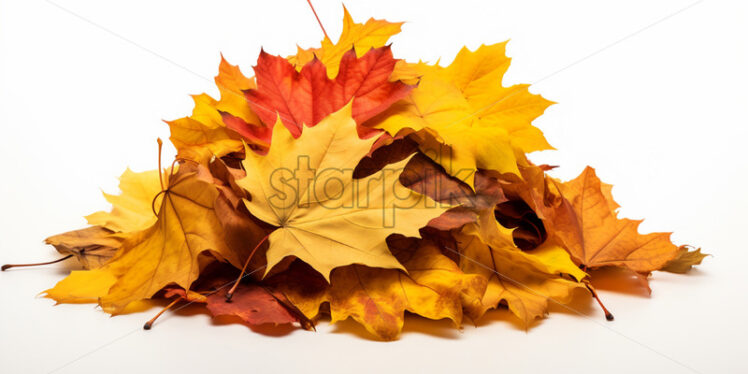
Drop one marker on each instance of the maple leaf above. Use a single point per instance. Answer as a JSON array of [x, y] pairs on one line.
[[231, 85], [362, 37], [311, 204], [82, 286], [684, 261], [209, 131], [473, 120], [132, 210], [434, 287], [165, 253], [202, 135], [586, 222], [304, 98], [512, 278], [92, 246]]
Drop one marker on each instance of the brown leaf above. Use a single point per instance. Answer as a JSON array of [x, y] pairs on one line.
[[225, 177], [92, 246], [387, 150], [529, 231], [242, 231], [426, 177]]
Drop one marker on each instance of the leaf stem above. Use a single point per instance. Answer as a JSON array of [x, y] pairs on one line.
[[149, 324], [171, 170], [608, 314], [153, 202], [8, 266], [317, 17], [244, 269], [160, 174]]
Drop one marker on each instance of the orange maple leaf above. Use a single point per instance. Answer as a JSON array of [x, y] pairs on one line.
[[587, 223]]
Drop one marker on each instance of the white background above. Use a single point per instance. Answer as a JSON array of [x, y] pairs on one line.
[[657, 107]]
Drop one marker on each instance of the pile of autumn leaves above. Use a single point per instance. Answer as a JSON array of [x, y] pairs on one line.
[[351, 184]]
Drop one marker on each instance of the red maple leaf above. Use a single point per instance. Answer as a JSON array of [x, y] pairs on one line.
[[306, 97]]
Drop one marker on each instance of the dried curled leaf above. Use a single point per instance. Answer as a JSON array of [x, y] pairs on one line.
[[92, 246], [425, 177]]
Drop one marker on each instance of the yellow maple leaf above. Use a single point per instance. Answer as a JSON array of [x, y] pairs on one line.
[[305, 187], [465, 107], [163, 254], [363, 37], [131, 211], [82, 286]]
